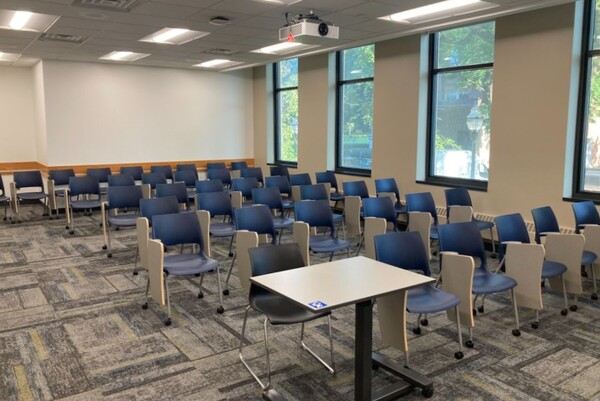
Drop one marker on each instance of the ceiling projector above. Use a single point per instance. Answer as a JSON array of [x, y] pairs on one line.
[[308, 29]]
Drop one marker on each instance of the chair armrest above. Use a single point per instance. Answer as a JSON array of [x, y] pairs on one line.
[[448, 253], [510, 242]]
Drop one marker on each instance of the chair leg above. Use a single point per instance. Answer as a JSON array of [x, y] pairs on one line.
[[331, 257], [200, 293], [136, 260], [168, 320], [231, 246], [459, 354], [493, 255], [108, 247], [267, 349], [516, 331], [331, 368], [536, 323], [360, 243], [241, 356], [226, 290], [565, 311], [145, 306], [220, 309], [595, 293], [574, 306]]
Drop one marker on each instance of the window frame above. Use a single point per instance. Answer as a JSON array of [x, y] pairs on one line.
[[433, 72], [277, 117], [339, 85]]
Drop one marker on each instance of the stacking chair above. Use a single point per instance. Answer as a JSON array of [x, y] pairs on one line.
[[282, 183], [121, 180], [135, 171], [203, 186], [272, 198], [215, 165], [58, 181], [120, 210], [153, 179], [405, 250], [382, 207], [317, 214], [545, 222], [180, 229], [32, 183], [461, 197], [189, 178], [222, 174], [277, 309], [245, 187], [423, 202], [187, 167], [102, 174], [166, 170], [329, 177], [218, 204], [83, 194], [279, 170], [239, 165], [356, 188], [253, 172], [389, 186], [148, 208], [585, 214], [176, 189], [465, 239], [300, 179], [318, 192], [3, 198]]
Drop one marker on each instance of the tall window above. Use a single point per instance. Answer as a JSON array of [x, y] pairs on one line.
[[355, 109], [286, 111], [587, 170], [460, 100]]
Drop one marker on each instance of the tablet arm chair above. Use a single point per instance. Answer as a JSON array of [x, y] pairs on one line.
[[135, 171], [253, 172], [83, 194], [381, 207], [215, 165], [189, 178], [585, 214], [176, 189], [33, 184], [119, 210], [165, 170], [300, 179], [218, 204], [423, 202], [322, 191], [222, 174], [4, 198], [272, 198], [58, 181], [121, 180], [389, 185], [282, 183], [102, 173], [329, 178], [279, 170], [277, 309]]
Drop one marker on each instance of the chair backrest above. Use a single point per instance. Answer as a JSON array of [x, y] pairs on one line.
[[268, 196], [464, 238], [124, 197], [215, 165], [356, 188], [402, 249], [281, 182], [135, 171], [216, 203], [272, 259], [84, 186], [153, 179], [382, 207], [204, 186], [187, 167], [456, 197], [2, 190], [300, 179], [422, 202], [279, 170], [61, 177], [177, 228], [101, 172], [512, 227], [327, 176], [120, 180], [383, 185], [28, 179], [253, 172], [585, 213], [315, 213], [313, 192], [155, 206], [544, 221], [239, 165], [244, 185], [257, 218], [176, 189], [188, 177], [166, 170], [222, 174]]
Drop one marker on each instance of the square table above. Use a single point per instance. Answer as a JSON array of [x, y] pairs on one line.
[[358, 281]]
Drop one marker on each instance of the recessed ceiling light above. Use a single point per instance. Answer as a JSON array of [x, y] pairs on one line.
[[283, 48], [8, 57], [123, 56], [217, 63], [280, 2], [443, 9], [173, 36], [25, 20]]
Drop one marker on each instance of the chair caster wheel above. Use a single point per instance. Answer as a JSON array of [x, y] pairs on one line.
[[595, 297], [220, 309], [118, 228], [230, 254], [200, 295], [469, 344], [564, 312], [104, 247], [72, 232], [480, 309], [168, 321], [145, 306], [458, 355], [573, 308], [417, 330], [135, 272], [474, 312], [493, 256], [109, 255], [584, 274], [535, 325], [374, 366], [427, 392], [516, 332], [67, 227], [424, 322], [225, 292]]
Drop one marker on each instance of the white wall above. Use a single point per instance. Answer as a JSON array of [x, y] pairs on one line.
[[99, 113], [41, 140], [17, 118]]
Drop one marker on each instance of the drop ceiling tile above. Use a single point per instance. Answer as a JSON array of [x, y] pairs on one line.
[[206, 15], [57, 28], [190, 3], [263, 22], [164, 10], [321, 6], [246, 6], [246, 31], [378, 26], [343, 20], [83, 23], [371, 10], [34, 6]]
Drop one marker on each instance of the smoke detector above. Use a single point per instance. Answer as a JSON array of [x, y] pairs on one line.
[[219, 21]]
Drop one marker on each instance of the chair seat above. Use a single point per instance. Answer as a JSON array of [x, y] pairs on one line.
[[4, 198], [222, 229], [123, 220], [31, 195], [282, 222], [185, 264], [400, 209], [588, 258], [483, 225], [280, 310], [485, 282], [59, 192], [337, 217], [428, 299], [191, 193], [326, 243], [86, 204], [552, 269], [288, 204], [433, 233], [336, 197]]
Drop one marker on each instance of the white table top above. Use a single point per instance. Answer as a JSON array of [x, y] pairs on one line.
[[342, 282]]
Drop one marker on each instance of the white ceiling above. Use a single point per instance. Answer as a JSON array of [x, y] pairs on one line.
[[254, 24]]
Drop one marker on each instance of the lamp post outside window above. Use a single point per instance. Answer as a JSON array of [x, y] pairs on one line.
[[474, 124]]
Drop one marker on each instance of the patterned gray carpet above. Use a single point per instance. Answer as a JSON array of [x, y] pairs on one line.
[[72, 328]]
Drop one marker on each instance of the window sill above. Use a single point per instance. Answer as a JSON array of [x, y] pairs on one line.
[[284, 164], [455, 182], [355, 172]]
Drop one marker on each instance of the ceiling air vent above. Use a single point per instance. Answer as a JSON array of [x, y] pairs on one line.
[[59, 37], [225, 52], [112, 5]]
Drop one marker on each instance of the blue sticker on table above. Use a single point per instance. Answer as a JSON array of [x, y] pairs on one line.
[[317, 304]]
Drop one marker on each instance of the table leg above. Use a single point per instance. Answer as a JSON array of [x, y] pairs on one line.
[[362, 352]]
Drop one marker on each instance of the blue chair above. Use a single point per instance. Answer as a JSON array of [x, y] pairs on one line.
[[461, 197], [277, 309], [272, 198], [222, 174], [406, 250], [512, 228], [102, 174], [318, 214], [381, 207], [329, 177], [279, 170], [218, 204], [166, 170], [4, 198], [423, 202], [84, 194], [29, 180], [300, 179], [189, 178], [253, 172], [120, 210], [187, 167], [585, 213], [135, 171], [153, 179], [245, 186], [465, 239], [183, 229], [389, 185], [239, 165], [58, 180], [215, 165], [356, 188], [282, 183], [318, 192], [204, 186], [121, 180], [176, 189]]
